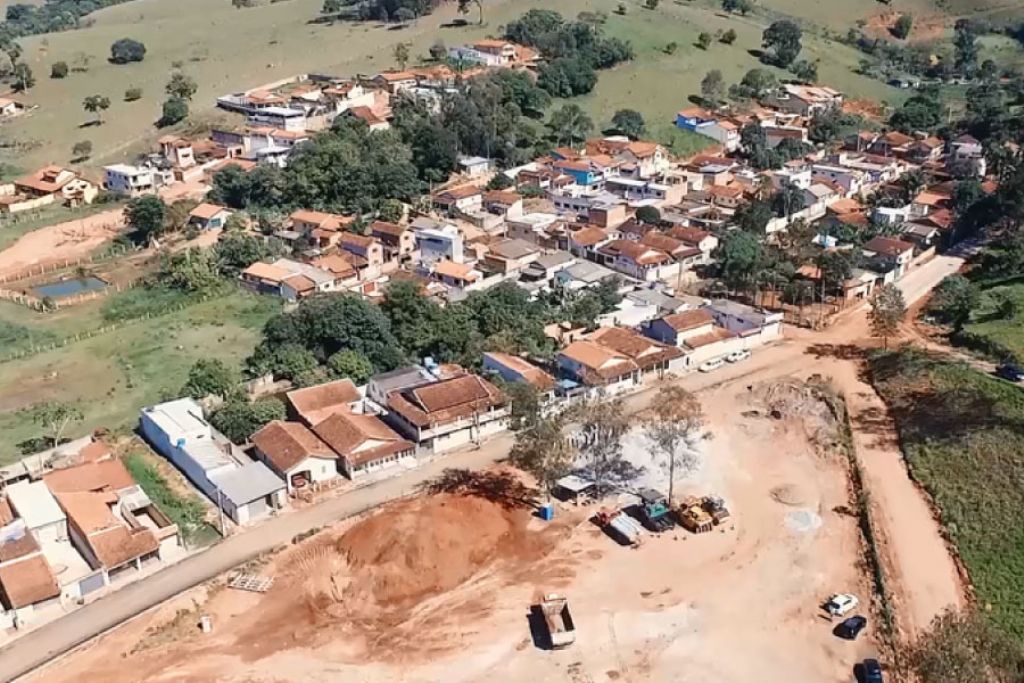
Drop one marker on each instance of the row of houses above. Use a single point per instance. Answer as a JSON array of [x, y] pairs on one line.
[[68, 533]]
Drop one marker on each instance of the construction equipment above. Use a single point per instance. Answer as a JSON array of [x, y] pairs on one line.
[[655, 511], [622, 525], [715, 507], [694, 517], [561, 631]]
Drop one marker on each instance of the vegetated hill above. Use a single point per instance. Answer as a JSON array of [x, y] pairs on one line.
[[962, 433]]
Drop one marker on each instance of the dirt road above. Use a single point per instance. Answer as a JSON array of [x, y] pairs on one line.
[[924, 574]]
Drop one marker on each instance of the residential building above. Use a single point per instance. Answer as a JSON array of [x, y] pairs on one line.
[[649, 355], [363, 443], [474, 166], [703, 240], [33, 503], [598, 368], [57, 184], [638, 261], [208, 216], [382, 384], [133, 181], [511, 255], [702, 122], [398, 240], [516, 369], [637, 158], [310, 222], [315, 404], [448, 413], [503, 203], [457, 275], [463, 199], [245, 490], [804, 100], [27, 580], [893, 253], [746, 321], [437, 242], [293, 280], [676, 328], [582, 275], [295, 454]]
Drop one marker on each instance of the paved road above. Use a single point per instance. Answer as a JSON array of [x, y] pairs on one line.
[[47, 642]]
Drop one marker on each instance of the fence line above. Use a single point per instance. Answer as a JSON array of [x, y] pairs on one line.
[[106, 329], [112, 254]]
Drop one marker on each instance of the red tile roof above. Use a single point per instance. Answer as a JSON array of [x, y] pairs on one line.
[[446, 400], [286, 444], [314, 404]]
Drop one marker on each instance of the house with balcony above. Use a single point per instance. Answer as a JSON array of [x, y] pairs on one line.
[[448, 413]]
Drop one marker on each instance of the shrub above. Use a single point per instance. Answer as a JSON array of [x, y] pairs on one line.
[[132, 94], [59, 70], [127, 50]]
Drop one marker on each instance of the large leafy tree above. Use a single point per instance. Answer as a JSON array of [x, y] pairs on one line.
[[415, 319], [782, 38], [239, 419], [210, 377], [670, 426], [55, 417], [954, 300], [570, 124], [888, 310], [145, 216], [740, 257], [629, 122]]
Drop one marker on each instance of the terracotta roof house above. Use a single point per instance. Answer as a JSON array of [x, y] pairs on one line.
[[306, 221], [595, 365], [26, 578], [448, 413], [295, 454], [398, 240], [515, 369], [106, 541], [96, 477], [315, 404], [455, 274], [637, 260], [648, 354], [208, 216], [364, 443], [678, 327], [54, 183], [461, 198]]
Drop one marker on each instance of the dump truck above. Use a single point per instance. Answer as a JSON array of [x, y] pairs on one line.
[[715, 507], [694, 517], [561, 631], [622, 526], [655, 511]]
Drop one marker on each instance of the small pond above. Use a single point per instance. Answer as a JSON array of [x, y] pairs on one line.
[[70, 287]]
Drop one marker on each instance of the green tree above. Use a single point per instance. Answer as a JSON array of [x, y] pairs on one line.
[[704, 40], [438, 51], [239, 419], [390, 210], [629, 122], [805, 71], [210, 377], [651, 4], [181, 86], [901, 29], [404, 15], [236, 251], [23, 77], [351, 364], [174, 111], [127, 50], [500, 181], [782, 38], [920, 112], [55, 417], [401, 54], [965, 42], [96, 105], [192, 270], [545, 451], [712, 88], [145, 216], [740, 257], [744, 7], [671, 48], [729, 37], [649, 215], [888, 310], [788, 200], [601, 427], [671, 426], [332, 7], [59, 70], [954, 300], [570, 124], [81, 151]]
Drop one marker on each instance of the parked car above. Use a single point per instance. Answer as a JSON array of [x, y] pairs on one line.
[[850, 628], [737, 356], [1011, 372], [872, 671], [841, 604], [711, 365]]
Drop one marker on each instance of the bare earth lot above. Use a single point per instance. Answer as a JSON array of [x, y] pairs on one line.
[[439, 588]]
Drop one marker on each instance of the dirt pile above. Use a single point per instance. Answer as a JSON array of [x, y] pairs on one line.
[[813, 403]]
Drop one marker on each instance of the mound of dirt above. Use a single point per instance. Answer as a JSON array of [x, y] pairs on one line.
[[788, 494], [812, 403]]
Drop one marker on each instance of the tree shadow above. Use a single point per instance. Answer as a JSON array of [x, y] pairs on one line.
[[839, 351], [89, 124], [455, 23], [759, 55], [538, 628], [502, 488]]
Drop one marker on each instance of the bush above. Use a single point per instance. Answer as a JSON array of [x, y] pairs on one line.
[[175, 110], [59, 70], [127, 50], [132, 94], [729, 37]]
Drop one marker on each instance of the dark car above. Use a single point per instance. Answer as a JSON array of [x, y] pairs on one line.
[[872, 671], [1011, 372], [851, 628]]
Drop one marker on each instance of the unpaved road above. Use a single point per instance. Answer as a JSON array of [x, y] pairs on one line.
[[923, 573]]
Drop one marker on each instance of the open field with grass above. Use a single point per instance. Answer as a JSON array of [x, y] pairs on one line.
[[997, 325], [227, 49], [111, 376], [963, 436]]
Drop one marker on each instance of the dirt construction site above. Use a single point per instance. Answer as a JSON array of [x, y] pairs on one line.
[[439, 586]]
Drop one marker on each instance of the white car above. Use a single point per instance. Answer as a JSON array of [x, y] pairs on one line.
[[710, 365], [737, 356], [841, 604]]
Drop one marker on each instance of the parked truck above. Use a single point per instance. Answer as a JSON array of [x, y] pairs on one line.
[[561, 631], [655, 511], [622, 526]]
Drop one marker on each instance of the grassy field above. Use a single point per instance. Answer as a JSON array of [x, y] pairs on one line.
[[227, 50], [963, 436], [112, 376], [999, 319]]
